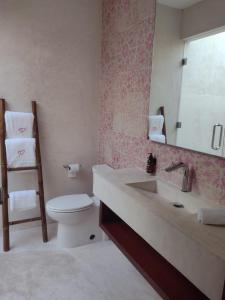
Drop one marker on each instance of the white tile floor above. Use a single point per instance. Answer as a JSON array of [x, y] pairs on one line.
[[93, 272], [31, 239]]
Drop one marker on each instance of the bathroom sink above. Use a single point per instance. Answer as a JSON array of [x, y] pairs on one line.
[[160, 190], [146, 204], [149, 186]]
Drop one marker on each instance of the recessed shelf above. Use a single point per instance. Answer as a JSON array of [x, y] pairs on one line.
[[162, 276]]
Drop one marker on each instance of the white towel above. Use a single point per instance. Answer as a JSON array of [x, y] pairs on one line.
[[156, 124], [213, 216], [160, 138], [19, 124], [20, 152], [22, 200]]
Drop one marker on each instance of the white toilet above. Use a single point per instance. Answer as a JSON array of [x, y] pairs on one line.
[[77, 217]]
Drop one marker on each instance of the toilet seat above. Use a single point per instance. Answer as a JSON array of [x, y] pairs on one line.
[[69, 203]]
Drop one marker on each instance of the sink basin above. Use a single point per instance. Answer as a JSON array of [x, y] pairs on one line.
[[160, 190], [149, 186]]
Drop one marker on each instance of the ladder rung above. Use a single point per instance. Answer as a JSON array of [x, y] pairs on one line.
[[22, 169], [24, 221]]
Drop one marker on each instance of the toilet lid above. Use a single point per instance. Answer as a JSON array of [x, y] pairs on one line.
[[70, 203]]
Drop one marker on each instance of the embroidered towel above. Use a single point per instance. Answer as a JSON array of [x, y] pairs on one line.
[[156, 124], [19, 124], [160, 138], [20, 152], [22, 200]]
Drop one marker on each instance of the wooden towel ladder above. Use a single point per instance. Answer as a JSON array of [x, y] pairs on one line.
[[4, 173]]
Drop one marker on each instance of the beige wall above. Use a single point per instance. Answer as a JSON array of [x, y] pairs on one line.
[[202, 17], [166, 67], [50, 51]]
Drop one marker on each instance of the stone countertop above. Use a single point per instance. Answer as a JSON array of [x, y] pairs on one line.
[[196, 250]]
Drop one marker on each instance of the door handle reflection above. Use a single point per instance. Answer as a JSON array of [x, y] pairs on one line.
[[218, 146]]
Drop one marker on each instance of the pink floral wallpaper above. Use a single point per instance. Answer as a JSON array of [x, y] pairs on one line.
[[127, 43]]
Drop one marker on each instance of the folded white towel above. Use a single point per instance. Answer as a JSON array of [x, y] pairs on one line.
[[20, 152], [160, 138], [156, 124], [19, 124], [213, 216], [22, 200]]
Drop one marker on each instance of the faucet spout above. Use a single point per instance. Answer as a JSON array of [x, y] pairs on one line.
[[186, 185], [175, 166]]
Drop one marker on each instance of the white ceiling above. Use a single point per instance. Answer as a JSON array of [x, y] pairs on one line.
[[181, 4]]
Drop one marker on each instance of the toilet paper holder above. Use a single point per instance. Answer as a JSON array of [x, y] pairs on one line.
[[72, 170], [67, 167]]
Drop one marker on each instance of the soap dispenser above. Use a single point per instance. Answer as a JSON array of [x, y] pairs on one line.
[[151, 164]]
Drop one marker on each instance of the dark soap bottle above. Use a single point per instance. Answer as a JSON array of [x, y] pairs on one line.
[[151, 164]]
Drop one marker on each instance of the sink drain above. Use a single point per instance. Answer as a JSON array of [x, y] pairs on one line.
[[178, 205]]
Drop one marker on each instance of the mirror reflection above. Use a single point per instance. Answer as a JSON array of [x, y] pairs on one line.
[[187, 103]]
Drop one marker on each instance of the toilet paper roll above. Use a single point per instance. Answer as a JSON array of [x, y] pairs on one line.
[[73, 169]]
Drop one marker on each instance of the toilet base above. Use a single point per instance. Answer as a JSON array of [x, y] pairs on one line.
[[69, 236], [83, 233]]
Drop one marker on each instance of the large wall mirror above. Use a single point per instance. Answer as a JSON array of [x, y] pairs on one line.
[[187, 103]]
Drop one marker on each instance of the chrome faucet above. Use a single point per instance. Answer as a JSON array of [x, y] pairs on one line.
[[186, 185]]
